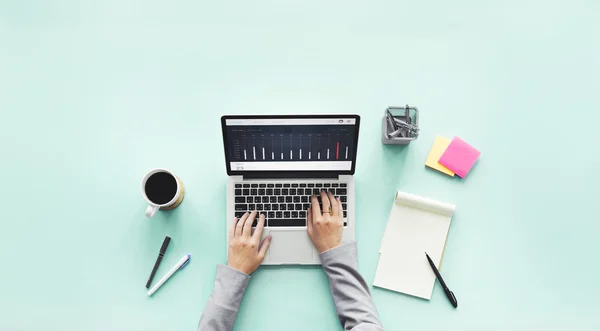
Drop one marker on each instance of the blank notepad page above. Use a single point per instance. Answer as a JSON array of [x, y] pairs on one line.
[[416, 225]]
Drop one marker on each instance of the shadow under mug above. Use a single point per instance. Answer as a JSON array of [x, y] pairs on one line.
[[177, 198]]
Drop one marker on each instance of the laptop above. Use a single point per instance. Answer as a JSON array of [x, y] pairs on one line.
[[275, 164]]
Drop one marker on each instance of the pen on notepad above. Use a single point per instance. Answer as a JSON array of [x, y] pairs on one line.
[[449, 293]]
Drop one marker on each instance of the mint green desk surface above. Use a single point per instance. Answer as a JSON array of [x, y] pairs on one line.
[[94, 94]]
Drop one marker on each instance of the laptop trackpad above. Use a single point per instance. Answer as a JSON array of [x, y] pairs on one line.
[[290, 247]]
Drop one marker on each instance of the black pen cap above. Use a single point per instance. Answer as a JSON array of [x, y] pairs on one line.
[[165, 244]]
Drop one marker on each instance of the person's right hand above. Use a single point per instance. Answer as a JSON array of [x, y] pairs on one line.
[[325, 228], [246, 251]]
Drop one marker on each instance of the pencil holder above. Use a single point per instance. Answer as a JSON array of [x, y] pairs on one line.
[[400, 125]]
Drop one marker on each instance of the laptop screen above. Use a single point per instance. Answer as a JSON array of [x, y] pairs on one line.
[[289, 143]]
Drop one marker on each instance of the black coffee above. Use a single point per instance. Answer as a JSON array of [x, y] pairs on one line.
[[161, 188]]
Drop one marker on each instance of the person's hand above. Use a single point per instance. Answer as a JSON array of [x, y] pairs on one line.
[[246, 251], [325, 228]]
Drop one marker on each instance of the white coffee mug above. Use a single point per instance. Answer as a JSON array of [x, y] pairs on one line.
[[165, 189]]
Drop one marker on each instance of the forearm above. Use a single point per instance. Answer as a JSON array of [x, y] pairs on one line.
[[350, 292], [222, 306]]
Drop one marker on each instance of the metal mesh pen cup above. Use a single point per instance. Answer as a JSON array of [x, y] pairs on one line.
[[400, 125]]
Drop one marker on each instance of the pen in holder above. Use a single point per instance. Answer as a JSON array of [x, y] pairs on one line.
[[400, 125]]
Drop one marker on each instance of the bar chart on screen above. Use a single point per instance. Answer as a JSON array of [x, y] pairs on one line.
[[291, 147], [266, 146]]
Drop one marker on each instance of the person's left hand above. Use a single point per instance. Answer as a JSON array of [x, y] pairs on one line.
[[246, 252]]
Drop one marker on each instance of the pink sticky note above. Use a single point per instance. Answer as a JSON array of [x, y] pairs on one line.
[[459, 157]]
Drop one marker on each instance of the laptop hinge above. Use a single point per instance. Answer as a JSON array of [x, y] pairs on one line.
[[290, 174]]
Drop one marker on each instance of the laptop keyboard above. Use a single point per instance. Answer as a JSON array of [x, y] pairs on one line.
[[284, 204]]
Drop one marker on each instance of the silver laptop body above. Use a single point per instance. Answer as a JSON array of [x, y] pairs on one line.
[[275, 163]]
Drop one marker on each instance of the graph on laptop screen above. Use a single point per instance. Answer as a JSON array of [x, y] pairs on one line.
[[291, 144]]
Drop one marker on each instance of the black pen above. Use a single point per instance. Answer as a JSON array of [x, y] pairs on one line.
[[449, 293], [163, 249]]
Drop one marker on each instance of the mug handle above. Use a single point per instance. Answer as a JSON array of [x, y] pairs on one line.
[[151, 210]]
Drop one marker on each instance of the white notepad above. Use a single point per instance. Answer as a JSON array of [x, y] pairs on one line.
[[416, 225]]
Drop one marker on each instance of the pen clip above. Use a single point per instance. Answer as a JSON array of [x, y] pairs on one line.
[[186, 261], [454, 301], [164, 246]]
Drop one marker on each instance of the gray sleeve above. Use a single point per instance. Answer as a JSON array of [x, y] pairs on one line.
[[350, 292], [222, 306]]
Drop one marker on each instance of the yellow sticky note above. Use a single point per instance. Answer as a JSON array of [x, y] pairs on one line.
[[439, 147]]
